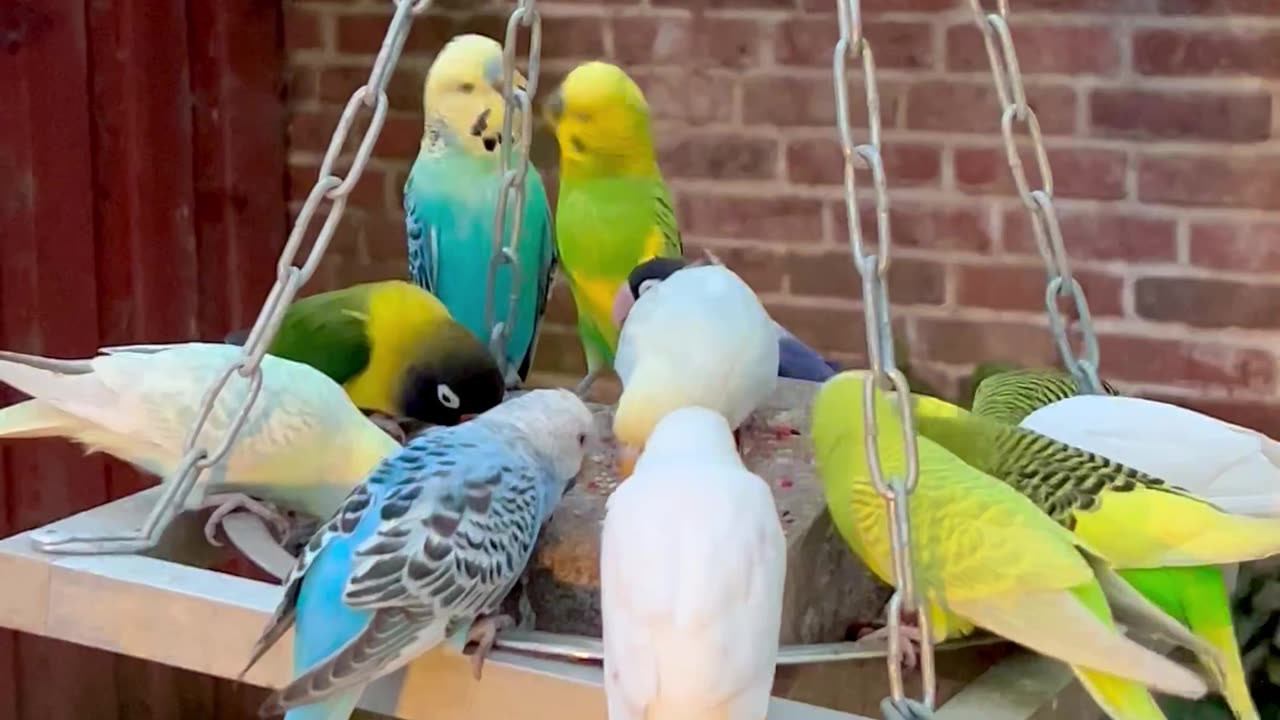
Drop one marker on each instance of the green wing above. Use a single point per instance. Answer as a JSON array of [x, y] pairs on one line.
[[665, 217], [328, 332]]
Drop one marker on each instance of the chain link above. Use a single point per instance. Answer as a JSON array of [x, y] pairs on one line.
[[514, 171], [873, 268], [330, 188], [1015, 112]]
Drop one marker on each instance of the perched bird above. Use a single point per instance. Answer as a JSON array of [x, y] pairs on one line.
[[1009, 394], [700, 337], [614, 210], [795, 359], [303, 447], [1161, 538], [424, 550], [451, 198], [692, 605], [985, 556], [394, 348]]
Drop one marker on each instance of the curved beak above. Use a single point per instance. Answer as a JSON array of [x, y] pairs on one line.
[[622, 303], [627, 456], [553, 109]]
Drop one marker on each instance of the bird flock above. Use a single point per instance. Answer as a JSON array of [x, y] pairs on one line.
[[1081, 527]]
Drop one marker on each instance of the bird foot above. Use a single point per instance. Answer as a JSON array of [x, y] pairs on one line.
[[910, 647], [227, 503], [484, 632], [389, 425]]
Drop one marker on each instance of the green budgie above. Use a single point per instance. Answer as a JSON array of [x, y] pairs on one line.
[[614, 211], [984, 556], [1164, 540]]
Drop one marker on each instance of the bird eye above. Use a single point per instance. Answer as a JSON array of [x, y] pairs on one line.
[[648, 285], [448, 397], [582, 439], [466, 88]]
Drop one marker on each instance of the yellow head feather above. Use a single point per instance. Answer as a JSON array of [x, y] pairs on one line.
[[601, 119], [462, 95]]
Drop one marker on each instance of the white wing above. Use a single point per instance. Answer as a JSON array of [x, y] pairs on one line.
[[691, 602], [1231, 466], [703, 336]]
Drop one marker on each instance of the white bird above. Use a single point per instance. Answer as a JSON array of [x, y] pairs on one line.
[[692, 566], [1233, 467], [700, 337], [304, 445]]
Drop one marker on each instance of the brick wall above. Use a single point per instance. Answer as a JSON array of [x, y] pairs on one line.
[[1160, 117]]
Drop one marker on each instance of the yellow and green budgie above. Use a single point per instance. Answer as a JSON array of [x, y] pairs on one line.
[[985, 556], [1162, 539], [614, 211]]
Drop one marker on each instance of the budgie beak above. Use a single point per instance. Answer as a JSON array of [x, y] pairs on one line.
[[622, 303], [553, 109], [627, 456]]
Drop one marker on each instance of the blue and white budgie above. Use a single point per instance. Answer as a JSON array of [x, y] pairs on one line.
[[693, 562], [452, 194], [425, 549]]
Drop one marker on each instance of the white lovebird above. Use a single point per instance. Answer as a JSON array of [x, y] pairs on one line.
[[303, 447], [1233, 467], [700, 337], [691, 600]]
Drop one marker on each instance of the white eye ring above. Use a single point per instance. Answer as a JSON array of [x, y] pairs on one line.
[[448, 397], [647, 285]]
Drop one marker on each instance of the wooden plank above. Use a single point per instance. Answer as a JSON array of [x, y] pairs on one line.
[[49, 306]]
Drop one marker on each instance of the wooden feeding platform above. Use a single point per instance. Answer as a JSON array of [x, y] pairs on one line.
[[168, 606]]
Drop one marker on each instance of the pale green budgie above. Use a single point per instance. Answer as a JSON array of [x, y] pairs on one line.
[[985, 556]]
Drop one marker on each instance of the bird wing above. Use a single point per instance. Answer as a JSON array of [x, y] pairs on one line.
[[691, 606], [538, 209], [437, 535], [329, 332]]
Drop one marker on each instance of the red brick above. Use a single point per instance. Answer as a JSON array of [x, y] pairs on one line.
[[810, 41], [963, 341], [576, 38], [383, 239], [1077, 172], [825, 329], [1251, 181], [560, 350], [302, 83], [688, 96], [311, 129], [760, 267], [1057, 48], [304, 28], [1236, 117], [1094, 234], [952, 106], [871, 7], [1205, 303], [1219, 7], [819, 162], [700, 40], [1022, 287], [748, 217], [831, 274], [809, 101], [1232, 246], [719, 157], [929, 227], [1106, 7], [400, 138], [1184, 363], [404, 89], [1207, 52], [725, 4]]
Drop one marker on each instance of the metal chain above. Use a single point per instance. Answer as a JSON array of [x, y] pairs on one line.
[[873, 269], [1012, 97], [511, 192], [370, 98]]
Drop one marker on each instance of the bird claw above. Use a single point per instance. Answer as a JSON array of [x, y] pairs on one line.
[[911, 641], [225, 504], [484, 632], [584, 385]]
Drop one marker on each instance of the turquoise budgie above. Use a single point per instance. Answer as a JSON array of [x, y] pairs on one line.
[[424, 550], [452, 194]]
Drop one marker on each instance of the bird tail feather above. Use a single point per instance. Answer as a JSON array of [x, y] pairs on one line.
[[1075, 626], [32, 419], [1120, 699], [69, 386]]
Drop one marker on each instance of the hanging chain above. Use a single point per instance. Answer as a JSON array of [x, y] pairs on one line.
[[330, 187], [511, 192], [873, 268], [1012, 96]]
